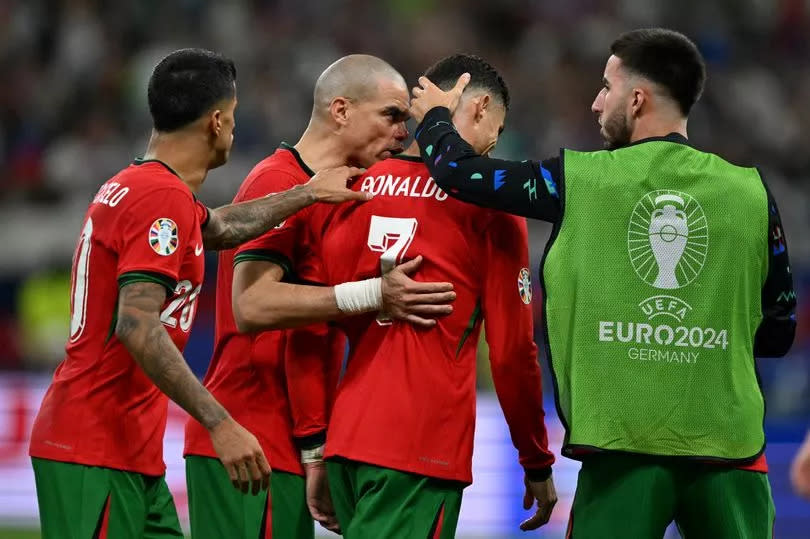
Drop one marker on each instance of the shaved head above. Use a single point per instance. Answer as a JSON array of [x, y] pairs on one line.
[[361, 105], [356, 77]]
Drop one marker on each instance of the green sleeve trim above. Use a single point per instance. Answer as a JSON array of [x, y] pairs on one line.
[[113, 322], [474, 318], [131, 277], [266, 255]]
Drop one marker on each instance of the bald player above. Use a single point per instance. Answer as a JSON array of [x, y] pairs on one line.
[[274, 382]]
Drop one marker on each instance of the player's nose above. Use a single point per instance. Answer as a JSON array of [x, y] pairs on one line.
[[401, 132]]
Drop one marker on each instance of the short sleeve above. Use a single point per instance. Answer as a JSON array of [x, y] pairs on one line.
[[154, 237], [277, 245], [202, 213]]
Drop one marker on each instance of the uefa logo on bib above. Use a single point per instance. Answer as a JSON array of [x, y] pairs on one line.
[[667, 239]]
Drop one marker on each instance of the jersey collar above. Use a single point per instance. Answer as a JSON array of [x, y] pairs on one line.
[[672, 137], [292, 150], [412, 158], [138, 162]]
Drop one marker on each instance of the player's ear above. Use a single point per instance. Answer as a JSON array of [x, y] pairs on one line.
[[215, 122], [639, 97], [482, 104], [339, 110]]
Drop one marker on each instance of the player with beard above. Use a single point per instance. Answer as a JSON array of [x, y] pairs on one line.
[[97, 440], [666, 273], [278, 383]]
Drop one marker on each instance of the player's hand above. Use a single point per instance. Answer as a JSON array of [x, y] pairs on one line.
[[241, 455], [427, 96], [546, 496], [329, 185], [414, 301], [800, 470], [319, 500]]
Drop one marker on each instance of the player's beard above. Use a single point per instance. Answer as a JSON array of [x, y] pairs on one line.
[[617, 130], [220, 158]]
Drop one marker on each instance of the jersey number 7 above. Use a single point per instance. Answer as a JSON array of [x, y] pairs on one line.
[[390, 236]]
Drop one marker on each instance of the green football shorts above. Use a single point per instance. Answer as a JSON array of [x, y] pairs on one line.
[[637, 497], [371, 501], [84, 502], [218, 510]]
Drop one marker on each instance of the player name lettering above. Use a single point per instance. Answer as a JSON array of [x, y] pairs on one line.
[[664, 335], [110, 194], [668, 356], [397, 186]]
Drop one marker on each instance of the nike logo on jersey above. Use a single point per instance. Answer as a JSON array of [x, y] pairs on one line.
[[198, 250]]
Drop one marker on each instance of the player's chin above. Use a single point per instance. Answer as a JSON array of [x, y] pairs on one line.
[[391, 152]]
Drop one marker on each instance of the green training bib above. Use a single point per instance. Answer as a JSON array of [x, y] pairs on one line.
[[653, 288]]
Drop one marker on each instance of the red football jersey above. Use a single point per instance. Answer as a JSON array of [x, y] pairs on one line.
[[144, 224], [407, 398], [275, 383]]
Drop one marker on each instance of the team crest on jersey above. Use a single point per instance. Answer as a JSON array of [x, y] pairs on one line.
[[163, 236], [525, 285]]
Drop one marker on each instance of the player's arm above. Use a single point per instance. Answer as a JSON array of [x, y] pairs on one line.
[[312, 359], [234, 224], [526, 188], [142, 333], [778, 327], [513, 358], [262, 301]]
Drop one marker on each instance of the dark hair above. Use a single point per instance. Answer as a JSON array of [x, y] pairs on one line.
[[446, 72], [666, 57], [186, 84]]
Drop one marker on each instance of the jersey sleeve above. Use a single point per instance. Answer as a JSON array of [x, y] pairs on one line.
[[312, 360], [278, 244], [202, 212], [526, 188], [155, 236], [778, 327], [509, 328]]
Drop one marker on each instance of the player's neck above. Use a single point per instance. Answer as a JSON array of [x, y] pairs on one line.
[[412, 150], [658, 127], [182, 154], [321, 149]]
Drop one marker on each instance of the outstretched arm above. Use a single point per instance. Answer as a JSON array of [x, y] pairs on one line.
[[234, 224], [142, 333], [526, 188], [261, 301]]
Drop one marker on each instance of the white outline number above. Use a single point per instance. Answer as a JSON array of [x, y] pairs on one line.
[[390, 236], [185, 299], [81, 276]]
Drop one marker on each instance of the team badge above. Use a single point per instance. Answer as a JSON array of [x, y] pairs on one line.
[[163, 236], [525, 285]]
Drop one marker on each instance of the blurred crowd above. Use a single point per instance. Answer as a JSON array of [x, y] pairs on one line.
[[73, 107]]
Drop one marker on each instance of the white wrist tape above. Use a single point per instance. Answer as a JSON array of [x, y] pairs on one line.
[[308, 456], [359, 296]]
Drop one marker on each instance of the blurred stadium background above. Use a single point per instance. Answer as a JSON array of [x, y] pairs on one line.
[[73, 111]]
